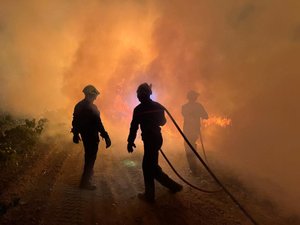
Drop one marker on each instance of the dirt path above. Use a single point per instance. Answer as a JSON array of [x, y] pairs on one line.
[[118, 177]]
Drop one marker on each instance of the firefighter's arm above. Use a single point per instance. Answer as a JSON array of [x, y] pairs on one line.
[[107, 141], [130, 146], [103, 132], [204, 114], [74, 130], [134, 126], [161, 117], [106, 137], [76, 137]]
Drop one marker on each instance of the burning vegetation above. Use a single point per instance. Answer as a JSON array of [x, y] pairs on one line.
[[218, 121], [239, 56]]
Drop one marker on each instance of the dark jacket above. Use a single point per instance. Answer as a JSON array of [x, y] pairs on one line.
[[87, 121], [150, 116], [192, 113]]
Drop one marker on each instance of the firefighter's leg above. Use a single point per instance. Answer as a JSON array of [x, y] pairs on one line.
[[91, 149], [165, 180], [159, 175], [191, 158], [148, 172]]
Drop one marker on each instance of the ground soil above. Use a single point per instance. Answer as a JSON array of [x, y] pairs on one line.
[[48, 194]]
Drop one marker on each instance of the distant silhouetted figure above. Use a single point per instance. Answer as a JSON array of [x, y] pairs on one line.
[[149, 115], [192, 112], [87, 123]]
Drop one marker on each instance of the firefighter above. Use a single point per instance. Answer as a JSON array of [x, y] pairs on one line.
[[149, 115], [87, 123], [192, 113]]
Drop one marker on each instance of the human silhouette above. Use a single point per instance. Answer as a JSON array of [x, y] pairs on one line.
[[87, 123], [192, 113], [149, 115]]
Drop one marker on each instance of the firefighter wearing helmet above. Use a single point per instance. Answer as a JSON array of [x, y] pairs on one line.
[[149, 115], [87, 124], [193, 112]]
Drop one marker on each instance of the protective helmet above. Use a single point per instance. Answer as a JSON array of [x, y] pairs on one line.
[[144, 89], [192, 94], [90, 90]]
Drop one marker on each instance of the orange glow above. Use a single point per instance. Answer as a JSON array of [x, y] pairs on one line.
[[217, 120]]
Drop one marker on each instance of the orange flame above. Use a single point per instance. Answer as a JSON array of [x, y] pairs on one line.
[[217, 120]]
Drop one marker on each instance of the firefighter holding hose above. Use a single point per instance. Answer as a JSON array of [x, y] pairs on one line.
[[193, 112], [149, 115], [87, 123]]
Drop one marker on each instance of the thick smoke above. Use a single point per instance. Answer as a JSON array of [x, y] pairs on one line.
[[241, 56]]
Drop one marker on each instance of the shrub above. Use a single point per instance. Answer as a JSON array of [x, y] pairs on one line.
[[18, 136]]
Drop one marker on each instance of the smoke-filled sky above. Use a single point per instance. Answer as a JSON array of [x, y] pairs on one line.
[[241, 56]]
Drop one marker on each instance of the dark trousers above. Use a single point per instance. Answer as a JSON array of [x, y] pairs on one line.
[[90, 155], [151, 169], [191, 157]]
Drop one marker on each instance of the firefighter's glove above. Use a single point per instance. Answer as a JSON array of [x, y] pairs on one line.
[[76, 138], [105, 136], [107, 141], [130, 147]]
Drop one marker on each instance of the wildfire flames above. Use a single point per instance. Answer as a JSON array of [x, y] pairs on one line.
[[238, 56], [217, 120]]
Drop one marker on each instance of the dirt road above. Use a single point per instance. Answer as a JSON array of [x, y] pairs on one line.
[[118, 177]]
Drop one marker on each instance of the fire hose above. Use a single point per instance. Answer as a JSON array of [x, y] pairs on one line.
[[203, 149], [208, 169], [184, 180]]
